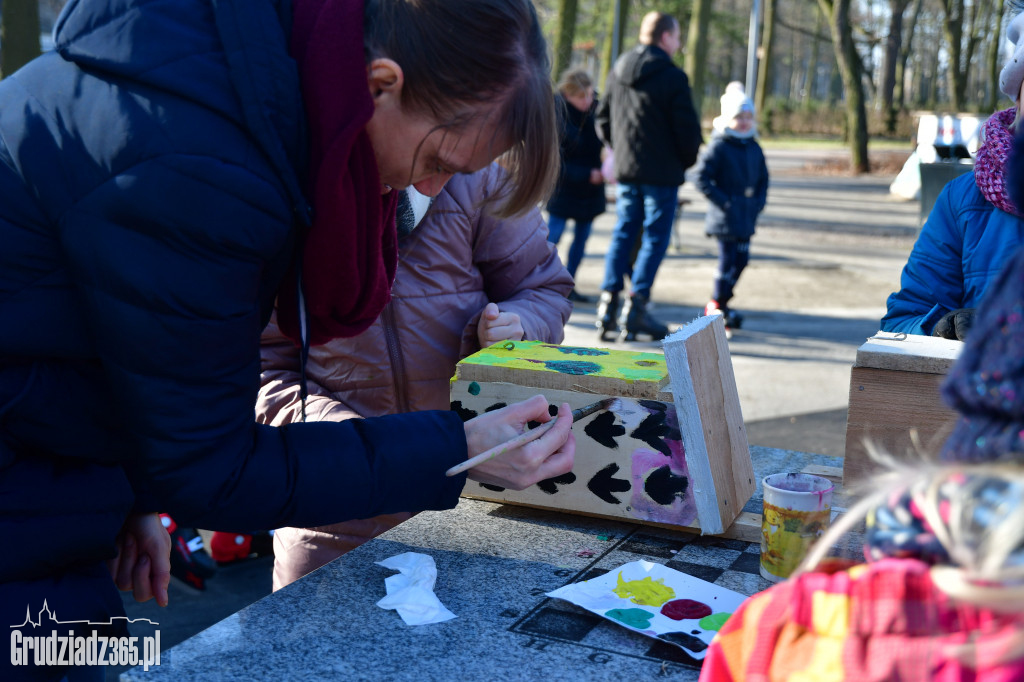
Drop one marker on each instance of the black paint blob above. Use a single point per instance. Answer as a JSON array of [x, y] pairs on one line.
[[604, 483], [550, 485], [664, 487], [604, 430], [653, 431], [495, 488], [465, 414], [684, 640], [495, 406]]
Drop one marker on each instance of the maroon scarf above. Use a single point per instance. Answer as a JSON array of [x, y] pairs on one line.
[[351, 251], [990, 165]]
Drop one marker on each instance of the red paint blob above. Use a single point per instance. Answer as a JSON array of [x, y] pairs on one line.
[[685, 609]]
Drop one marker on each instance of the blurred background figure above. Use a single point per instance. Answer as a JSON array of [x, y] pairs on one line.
[[733, 176], [579, 195], [648, 119]]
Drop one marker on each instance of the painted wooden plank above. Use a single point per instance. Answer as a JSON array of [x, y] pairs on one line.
[[909, 353], [570, 368], [629, 461], [710, 421], [900, 413]]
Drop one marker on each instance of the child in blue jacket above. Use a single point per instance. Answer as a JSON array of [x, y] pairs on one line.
[[733, 176]]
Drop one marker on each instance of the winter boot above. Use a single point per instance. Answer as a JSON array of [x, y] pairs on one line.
[[733, 320], [607, 310], [189, 561], [230, 547], [636, 320]]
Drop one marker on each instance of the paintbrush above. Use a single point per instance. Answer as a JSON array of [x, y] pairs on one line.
[[532, 434]]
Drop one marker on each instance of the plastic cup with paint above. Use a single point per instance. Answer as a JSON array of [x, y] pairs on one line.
[[797, 510]]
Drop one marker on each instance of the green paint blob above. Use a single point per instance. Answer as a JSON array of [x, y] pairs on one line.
[[714, 622], [646, 592], [634, 618], [474, 388]]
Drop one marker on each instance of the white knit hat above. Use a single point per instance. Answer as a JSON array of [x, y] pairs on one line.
[[1012, 74], [734, 101]]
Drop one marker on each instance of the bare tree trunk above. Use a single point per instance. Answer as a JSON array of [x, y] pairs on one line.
[[695, 62], [765, 65], [900, 86], [992, 59], [812, 65], [19, 34], [953, 30], [890, 60], [616, 31], [849, 64], [566, 32]]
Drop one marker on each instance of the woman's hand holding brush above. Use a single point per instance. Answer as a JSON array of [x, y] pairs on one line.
[[520, 466]]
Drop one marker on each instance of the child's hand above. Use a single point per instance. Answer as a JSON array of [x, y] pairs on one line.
[[495, 326], [143, 561]]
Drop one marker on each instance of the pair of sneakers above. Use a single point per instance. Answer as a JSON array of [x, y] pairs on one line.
[[731, 318]]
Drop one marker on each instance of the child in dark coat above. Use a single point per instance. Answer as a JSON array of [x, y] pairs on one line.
[[734, 177]]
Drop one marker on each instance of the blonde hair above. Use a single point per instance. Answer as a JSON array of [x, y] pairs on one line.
[[575, 82]]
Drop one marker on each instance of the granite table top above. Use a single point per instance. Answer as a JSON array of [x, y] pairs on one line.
[[494, 565]]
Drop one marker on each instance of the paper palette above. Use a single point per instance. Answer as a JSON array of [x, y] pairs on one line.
[[657, 601]]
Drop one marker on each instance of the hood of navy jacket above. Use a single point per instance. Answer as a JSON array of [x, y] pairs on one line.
[[227, 55]]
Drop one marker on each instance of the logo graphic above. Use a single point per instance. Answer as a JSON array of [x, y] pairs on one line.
[[79, 650]]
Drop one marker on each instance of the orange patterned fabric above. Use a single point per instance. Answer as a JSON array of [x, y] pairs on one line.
[[865, 623]]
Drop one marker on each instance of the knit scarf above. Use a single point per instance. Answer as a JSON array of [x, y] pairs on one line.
[[350, 253], [990, 164]]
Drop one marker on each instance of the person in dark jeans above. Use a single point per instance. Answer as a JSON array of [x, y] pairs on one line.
[[733, 176], [647, 117], [579, 195]]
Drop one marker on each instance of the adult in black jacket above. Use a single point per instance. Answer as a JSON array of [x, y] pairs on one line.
[[648, 119], [580, 192]]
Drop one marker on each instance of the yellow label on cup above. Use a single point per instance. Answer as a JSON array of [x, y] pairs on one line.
[[797, 511]]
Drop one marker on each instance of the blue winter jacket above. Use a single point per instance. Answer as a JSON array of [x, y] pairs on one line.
[[963, 245], [148, 205], [733, 175]]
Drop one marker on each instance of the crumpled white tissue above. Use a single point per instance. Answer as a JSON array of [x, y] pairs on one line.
[[411, 590]]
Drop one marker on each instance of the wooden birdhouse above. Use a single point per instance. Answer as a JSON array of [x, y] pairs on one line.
[[672, 450]]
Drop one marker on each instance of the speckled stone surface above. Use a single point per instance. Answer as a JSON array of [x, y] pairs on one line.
[[495, 563]]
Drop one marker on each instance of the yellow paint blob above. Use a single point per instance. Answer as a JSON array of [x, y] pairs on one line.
[[648, 591]]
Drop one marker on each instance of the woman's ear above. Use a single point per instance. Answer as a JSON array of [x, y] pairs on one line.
[[385, 77]]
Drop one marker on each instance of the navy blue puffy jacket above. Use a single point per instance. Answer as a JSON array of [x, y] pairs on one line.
[[148, 195], [733, 176]]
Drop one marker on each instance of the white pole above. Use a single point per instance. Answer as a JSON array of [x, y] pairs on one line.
[[755, 15]]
